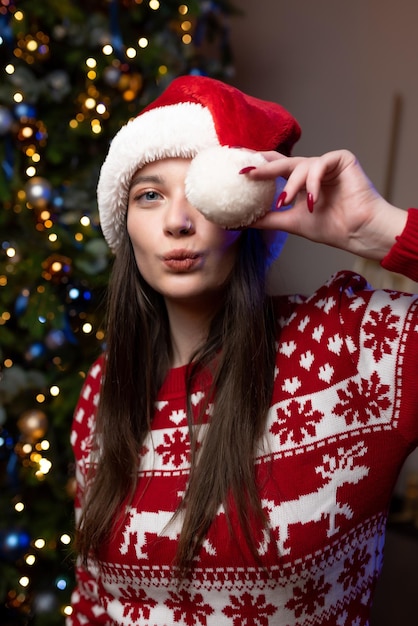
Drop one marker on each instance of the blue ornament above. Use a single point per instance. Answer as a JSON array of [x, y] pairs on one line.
[[6, 32], [62, 582], [38, 192], [35, 350], [14, 542], [6, 120], [73, 293], [25, 110], [68, 333], [79, 294], [12, 470], [111, 76], [21, 302], [57, 202], [6, 444], [55, 339], [45, 602]]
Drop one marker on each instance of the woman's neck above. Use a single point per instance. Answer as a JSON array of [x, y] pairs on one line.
[[189, 328]]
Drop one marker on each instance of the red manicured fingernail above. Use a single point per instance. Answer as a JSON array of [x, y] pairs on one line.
[[280, 200], [310, 202], [245, 170]]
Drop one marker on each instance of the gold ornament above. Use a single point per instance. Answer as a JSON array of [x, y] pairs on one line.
[[33, 425]]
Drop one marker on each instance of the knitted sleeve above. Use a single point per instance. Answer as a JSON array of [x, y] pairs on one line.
[[403, 256], [86, 595]]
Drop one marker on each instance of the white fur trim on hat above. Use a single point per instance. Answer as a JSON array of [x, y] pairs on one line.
[[178, 130]]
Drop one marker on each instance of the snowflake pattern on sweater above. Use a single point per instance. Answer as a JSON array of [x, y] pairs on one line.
[[341, 422]]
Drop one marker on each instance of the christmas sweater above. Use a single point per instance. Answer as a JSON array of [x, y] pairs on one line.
[[343, 418]]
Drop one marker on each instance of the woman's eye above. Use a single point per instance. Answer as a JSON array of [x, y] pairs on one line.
[[146, 196], [150, 195]]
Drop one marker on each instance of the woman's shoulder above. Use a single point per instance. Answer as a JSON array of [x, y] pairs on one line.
[[343, 308], [93, 380], [327, 296], [85, 411]]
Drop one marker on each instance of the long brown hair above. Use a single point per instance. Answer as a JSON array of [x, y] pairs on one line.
[[241, 342]]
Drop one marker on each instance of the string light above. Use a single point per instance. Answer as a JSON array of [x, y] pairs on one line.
[[61, 583], [44, 466], [186, 25], [96, 126], [90, 103], [57, 216], [32, 45]]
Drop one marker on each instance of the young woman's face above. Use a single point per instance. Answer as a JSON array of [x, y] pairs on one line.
[[179, 253]]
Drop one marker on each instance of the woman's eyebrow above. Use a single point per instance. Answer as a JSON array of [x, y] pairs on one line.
[[140, 179]]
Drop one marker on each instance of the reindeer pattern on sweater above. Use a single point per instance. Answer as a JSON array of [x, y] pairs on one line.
[[341, 422]]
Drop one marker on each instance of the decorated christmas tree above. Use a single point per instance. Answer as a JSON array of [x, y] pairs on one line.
[[71, 73]]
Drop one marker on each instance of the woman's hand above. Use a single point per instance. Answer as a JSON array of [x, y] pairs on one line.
[[333, 202]]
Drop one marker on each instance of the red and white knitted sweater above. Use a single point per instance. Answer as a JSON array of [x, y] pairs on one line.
[[343, 417]]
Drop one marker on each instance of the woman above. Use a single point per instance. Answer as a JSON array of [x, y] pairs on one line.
[[236, 452]]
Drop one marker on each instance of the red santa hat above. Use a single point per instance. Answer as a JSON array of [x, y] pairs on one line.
[[205, 120]]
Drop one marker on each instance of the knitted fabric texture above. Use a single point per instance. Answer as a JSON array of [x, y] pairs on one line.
[[343, 418]]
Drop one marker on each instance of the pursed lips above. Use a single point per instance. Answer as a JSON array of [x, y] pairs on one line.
[[182, 260]]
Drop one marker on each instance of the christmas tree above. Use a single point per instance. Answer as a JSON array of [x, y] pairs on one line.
[[71, 73]]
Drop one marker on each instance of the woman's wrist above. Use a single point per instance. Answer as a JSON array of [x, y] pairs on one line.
[[403, 255], [380, 235]]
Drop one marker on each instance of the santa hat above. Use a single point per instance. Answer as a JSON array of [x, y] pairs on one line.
[[205, 120]]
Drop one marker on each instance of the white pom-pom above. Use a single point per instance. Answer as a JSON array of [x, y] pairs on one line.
[[215, 187]]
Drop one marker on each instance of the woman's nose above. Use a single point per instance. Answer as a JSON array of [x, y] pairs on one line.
[[178, 219]]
